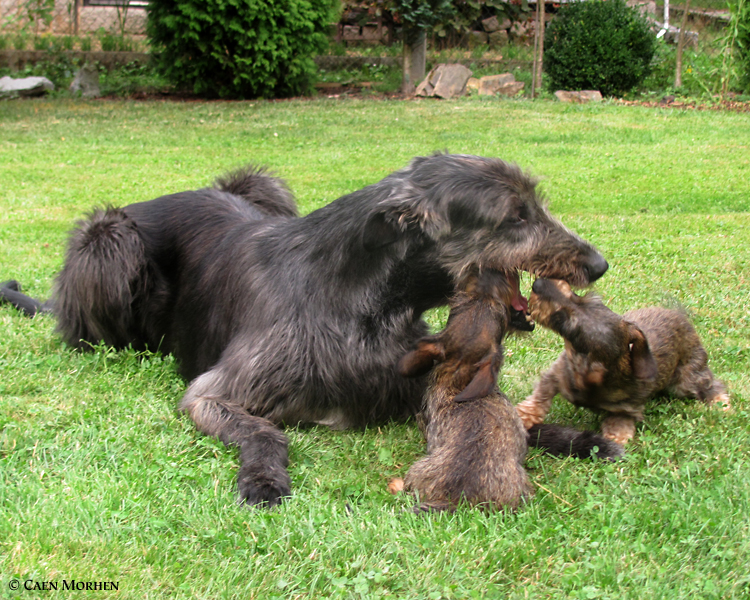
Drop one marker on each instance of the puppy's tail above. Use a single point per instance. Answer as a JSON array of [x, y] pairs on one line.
[[10, 292], [565, 441], [257, 187]]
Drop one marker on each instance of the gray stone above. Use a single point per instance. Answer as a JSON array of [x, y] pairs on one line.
[[498, 38], [490, 24], [672, 35], [472, 85], [646, 7], [579, 97], [510, 89], [86, 82], [521, 31], [490, 84], [477, 38], [27, 86], [445, 81]]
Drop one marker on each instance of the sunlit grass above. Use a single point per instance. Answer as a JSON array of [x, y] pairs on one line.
[[101, 479]]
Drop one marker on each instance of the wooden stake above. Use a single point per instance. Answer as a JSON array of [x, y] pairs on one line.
[[680, 46]]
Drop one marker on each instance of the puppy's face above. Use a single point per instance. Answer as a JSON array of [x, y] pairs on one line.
[[602, 348]]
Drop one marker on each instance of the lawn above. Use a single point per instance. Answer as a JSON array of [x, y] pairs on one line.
[[101, 480]]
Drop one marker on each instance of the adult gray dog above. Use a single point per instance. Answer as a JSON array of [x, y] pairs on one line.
[[280, 319]]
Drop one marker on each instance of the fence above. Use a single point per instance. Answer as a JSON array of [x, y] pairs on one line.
[[72, 17]]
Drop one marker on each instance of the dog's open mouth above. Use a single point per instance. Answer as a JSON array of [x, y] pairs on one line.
[[520, 318]]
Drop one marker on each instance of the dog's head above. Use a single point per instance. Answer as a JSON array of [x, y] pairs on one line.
[[600, 344], [478, 213]]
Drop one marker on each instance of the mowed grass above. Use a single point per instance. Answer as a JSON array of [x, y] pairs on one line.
[[102, 480]]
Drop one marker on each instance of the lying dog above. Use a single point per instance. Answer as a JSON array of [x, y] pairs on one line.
[[476, 442], [614, 363], [279, 319]]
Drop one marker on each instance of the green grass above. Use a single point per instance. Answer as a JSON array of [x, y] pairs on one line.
[[102, 480]]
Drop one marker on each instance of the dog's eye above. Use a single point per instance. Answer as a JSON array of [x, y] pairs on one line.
[[515, 220]]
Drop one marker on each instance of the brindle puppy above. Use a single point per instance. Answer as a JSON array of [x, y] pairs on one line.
[[614, 363]]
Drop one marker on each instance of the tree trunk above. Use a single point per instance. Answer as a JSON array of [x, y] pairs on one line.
[[540, 57], [538, 62], [680, 46], [415, 61]]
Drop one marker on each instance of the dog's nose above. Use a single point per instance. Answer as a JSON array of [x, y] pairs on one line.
[[596, 267]]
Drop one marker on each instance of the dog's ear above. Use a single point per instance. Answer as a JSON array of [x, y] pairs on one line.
[[379, 232], [387, 226], [419, 362], [643, 362], [483, 384]]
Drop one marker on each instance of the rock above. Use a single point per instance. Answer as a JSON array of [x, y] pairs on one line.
[[498, 38], [472, 85], [27, 86], [672, 35], [477, 38], [445, 81], [490, 24], [521, 31], [86, 82], [646, 7], [579, 97], [510, 89], [490, 84]]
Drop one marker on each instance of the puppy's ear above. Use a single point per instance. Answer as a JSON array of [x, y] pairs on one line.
[[483, 384], [595, 374], [419, 362], [643, 362]]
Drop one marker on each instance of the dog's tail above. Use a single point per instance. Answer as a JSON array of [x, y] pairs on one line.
[[270, 195], [105, 271], [10, 292], [565, 441]]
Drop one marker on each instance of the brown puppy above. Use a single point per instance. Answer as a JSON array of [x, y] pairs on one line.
[[615, 363], [476, 442]]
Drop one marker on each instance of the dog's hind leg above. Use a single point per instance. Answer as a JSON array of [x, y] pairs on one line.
[[696, 380], [262, 478]]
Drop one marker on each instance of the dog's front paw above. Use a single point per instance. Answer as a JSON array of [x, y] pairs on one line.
[[263, 489], [531, 412]]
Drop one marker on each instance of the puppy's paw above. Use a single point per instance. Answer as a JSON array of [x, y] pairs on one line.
[[396, 485], [262, 488], [531, 412], [619, 429], [721, 401]]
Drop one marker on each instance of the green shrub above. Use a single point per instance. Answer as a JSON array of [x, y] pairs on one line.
[[239, 48], [598, 45], [741, 19]]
